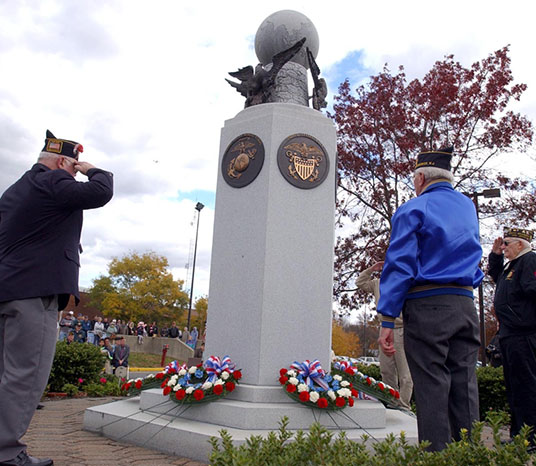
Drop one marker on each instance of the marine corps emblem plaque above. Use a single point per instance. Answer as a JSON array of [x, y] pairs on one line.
[[243, 160], [303, 161]]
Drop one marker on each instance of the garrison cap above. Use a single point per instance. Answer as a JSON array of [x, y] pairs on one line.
[[62, 146], [437, 159], [511, 232]]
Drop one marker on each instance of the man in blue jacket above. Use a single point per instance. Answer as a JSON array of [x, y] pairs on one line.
[[430, 270], [40, 226]]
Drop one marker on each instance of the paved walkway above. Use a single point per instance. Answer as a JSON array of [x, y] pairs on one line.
[[57, 432]]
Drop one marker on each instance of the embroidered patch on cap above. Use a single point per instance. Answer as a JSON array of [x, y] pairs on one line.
[[53, 145]]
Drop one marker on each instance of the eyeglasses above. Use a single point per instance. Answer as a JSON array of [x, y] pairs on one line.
[[508, 243]]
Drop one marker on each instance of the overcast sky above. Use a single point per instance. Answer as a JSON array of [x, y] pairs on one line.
[[141, 85]]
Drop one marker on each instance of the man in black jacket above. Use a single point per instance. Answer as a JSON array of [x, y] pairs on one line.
[[515, 307], [40, 226]]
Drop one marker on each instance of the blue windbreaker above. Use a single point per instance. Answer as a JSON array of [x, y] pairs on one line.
[[434, 249]]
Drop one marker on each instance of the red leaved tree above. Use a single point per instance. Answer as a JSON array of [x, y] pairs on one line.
[[383, 125]]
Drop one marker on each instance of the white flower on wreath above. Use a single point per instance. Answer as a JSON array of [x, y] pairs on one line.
[[291, 373], [206, 385], [345, 383], [303, 388], [192, 369], [177, 387], [344, 392], [337, 377], [182, 372], [150, 376], [314, 397], [225, 375], [293, 381], [189, 390], [332, 395], [171, 382], [218, 382]]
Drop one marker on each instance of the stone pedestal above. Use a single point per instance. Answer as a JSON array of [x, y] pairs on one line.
[[270, 294]]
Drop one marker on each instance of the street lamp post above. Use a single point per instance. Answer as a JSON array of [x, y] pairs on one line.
[[198, 207], [486, 193]]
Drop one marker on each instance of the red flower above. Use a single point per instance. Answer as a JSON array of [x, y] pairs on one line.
[[138, 384], [218, 389], [103, 380], [349, 371], [167, 391], [283, 379], [397, 395], [340, 401], [171, 370], [180, 394], [282, 372], [237, 375], [199, 394], [164, 383], [159, 376], [322, 403], [355, 393], [230, 386], [392, 391], [350, 402], [291, 388], [304, 396], [369, 380], [382, 386]]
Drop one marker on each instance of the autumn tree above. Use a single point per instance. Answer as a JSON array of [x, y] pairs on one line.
[[139, 287], [344, 342], [384, 124], [199, 314]]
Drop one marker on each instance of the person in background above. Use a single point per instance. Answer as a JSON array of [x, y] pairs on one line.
[[99, 331], [173, 331], [430, 270], [40, 228], [194, 334], [66, 325], [394, 370], [79, 334], [515, 308], [121, 353]]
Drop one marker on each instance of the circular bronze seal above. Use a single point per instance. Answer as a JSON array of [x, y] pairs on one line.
[[242, 161], [303, 161]]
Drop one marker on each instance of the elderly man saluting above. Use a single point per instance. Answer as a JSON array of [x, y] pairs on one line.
[[515, 307], [40, 226], [430, 270]]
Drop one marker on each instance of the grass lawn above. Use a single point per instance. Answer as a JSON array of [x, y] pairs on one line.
[[147, 360]]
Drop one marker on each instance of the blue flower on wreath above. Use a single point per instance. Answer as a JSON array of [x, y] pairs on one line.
[[199, 373]]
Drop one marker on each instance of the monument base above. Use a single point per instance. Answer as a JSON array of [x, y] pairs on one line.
[[154, 422]]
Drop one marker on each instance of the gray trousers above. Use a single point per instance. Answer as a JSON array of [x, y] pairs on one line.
[[442, 340], [27, 345]]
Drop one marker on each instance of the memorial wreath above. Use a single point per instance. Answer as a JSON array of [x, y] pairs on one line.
[[210, 381]]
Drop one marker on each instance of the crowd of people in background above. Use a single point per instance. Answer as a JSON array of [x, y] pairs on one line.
[[99, 330]]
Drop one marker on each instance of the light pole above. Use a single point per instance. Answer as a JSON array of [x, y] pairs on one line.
[[198, 207], [487, 194]]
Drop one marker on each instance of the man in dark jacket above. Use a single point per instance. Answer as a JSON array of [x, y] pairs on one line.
[[515, 307], [40, 226]]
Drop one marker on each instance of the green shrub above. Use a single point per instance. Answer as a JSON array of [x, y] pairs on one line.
[[70, 389], [74, 362], [371, 371], [320, 447], [491, 390], [96, 389]]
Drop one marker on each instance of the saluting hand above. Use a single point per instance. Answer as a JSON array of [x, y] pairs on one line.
[[83, 167], [497, 246]]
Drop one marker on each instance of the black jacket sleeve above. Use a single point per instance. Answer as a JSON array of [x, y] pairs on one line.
[[495, 268]]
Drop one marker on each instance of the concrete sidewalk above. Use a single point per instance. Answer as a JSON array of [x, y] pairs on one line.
[[57, 432]]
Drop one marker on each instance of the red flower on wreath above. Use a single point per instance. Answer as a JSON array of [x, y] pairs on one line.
[[237, 375], [322, 403], [218, 389], [160, 375], [355, 393], [304, 396], [340, 402], [180, 394], [230, 386], [369, 380], [199, 395], [282, 372], [138, 384], [350, 402], [164, 383], [167, 390], [283, 379], [291, 388], [397, 395]]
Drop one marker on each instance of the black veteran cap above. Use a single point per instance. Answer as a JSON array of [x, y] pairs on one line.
[[527, 235], [62, 146], [437, 159]]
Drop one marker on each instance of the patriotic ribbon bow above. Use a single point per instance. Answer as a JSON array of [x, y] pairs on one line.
[[174, 367], [311, 372], [215, 366], [343, 366]]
